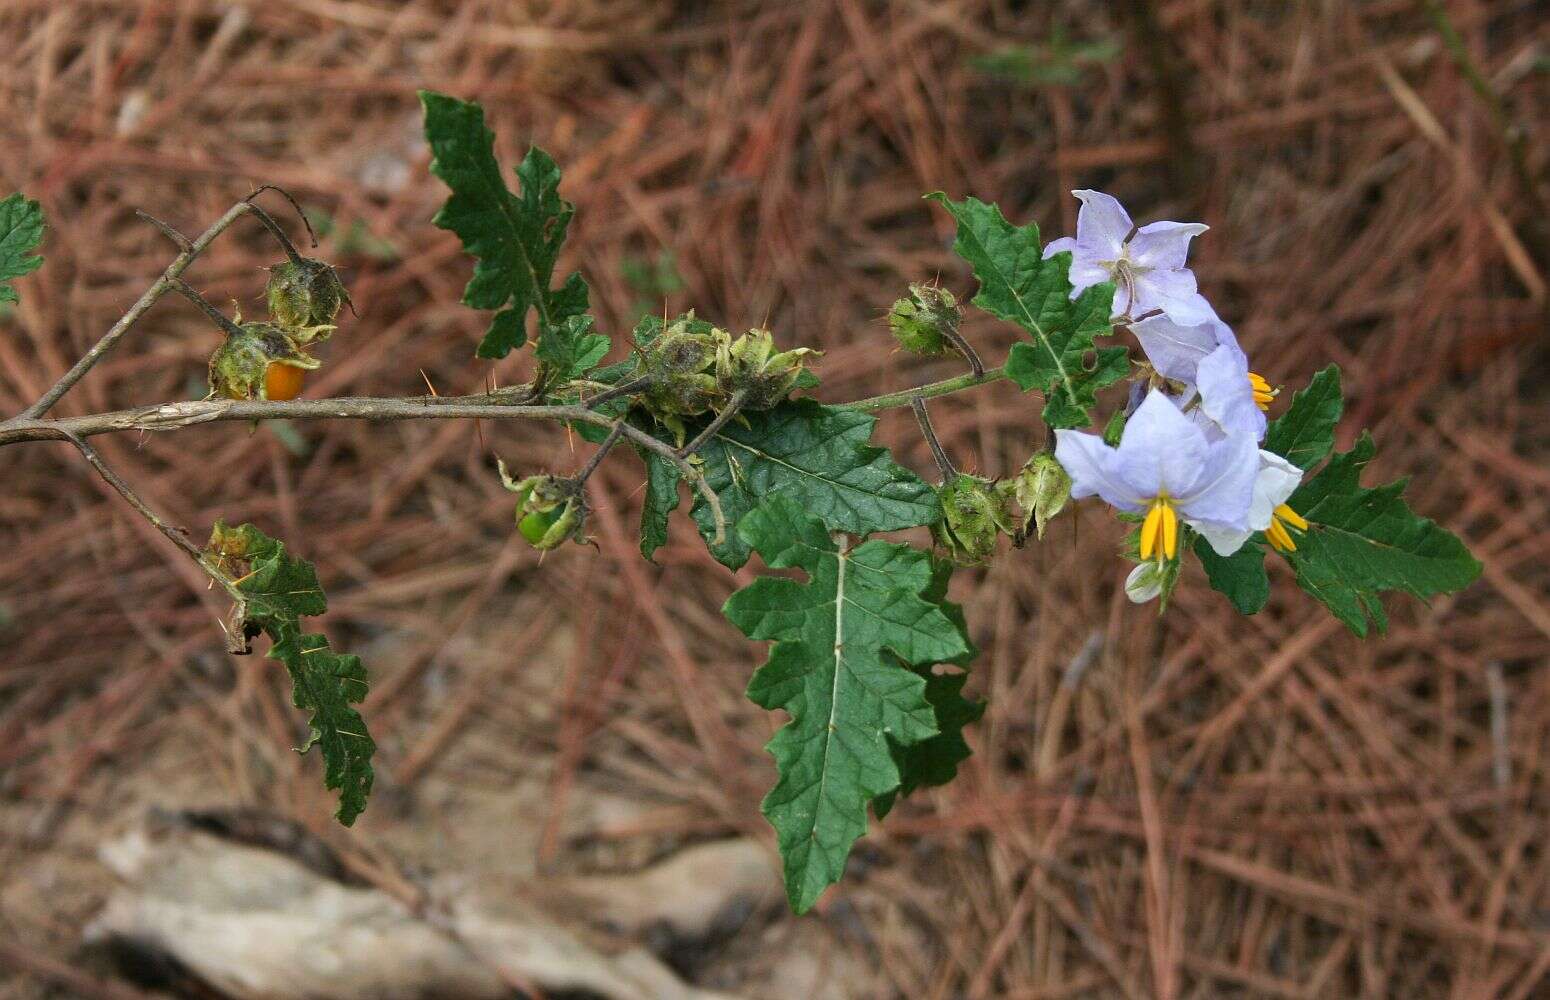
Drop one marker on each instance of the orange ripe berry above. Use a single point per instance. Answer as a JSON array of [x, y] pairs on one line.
[[283, 381]]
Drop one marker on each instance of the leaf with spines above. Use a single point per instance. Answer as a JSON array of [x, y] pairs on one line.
[[1305, 434], [280, 590], [848, 699], [21, 230], [818, 455], [516, 239], [1018, 285], [1363, 541]]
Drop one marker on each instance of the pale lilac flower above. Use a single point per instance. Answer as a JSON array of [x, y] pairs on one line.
[[1206, 358], [1274, 483], [1147, 268], [1167, 468]]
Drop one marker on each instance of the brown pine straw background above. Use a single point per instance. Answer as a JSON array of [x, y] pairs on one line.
[[1201, 805]]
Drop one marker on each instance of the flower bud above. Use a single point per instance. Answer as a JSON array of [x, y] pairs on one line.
[[240, 366], [1144, 583], [918, 322], [750, 364], [550, 510], [1042, 489], [974, 512], [305, 295]]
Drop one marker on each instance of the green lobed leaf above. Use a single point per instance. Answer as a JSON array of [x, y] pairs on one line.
[[816, 454], [848, 701], [1305, 434], [280, 591], [516, 239], [661, 500], [1018, 285], [21, 230], [934, 761], [572, 350], [1363, 541], [1241, 576]]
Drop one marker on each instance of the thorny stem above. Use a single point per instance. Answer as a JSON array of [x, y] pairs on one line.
[[236, 637], [943, 463], [930, 390], [217, 317], [958, 340], [277, 232], [727, 413], [312, 236], [158, 288], [634, 385], [580, 479]]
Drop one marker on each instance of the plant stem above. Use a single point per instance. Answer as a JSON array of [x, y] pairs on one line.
[[943, 463], [930, 390], [613, 438], [158, 288], [727, 413], [634, 385], [217, 317]]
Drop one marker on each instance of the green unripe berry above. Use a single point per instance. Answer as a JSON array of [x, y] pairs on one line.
[[975, 512]]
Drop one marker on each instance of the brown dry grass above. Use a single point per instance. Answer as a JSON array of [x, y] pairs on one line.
[[1198, 806]]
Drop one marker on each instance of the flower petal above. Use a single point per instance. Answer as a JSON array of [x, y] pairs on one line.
[[1102, 225], [1276, 481], [1173, 349], [1224, 540], [1066, 244], [1175, 293], [1164, 245], [1226, 395], [1161, 451], [1091, 465], [1224, 486]]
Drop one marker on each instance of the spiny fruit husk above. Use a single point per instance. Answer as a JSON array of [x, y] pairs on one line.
[[975, 511], [750, 365], [306, 295], [1042, 489], [923, 321], [238, 366], [550, 510], [681, 363]]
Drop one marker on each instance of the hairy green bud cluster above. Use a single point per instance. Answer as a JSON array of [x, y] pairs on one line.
[[305, 294], [975, 512], [750, 365], [238, 367], [550, 510], [1042, 488], [926, 320], [681, 364]]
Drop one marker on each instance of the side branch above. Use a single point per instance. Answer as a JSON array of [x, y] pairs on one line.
[[158, 288]]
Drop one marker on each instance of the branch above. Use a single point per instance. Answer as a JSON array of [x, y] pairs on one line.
[[158, 288], [930, 390], [237, 637]]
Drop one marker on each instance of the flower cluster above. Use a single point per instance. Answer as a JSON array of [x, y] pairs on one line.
[[1189, 453]]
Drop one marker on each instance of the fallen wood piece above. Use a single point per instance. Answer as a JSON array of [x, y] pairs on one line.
[[253, 923]]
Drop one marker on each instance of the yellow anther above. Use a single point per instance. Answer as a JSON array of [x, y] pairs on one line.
[[1160, 531], [1264, 393], [1277, 534]]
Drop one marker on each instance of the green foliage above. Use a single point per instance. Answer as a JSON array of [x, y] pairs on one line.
[[1362, 541], [850, 703], [516, 239], [1305, 434], [1018, 285], [819, 456], [21, 230], [572, 349], [280, 590], [1241, 576]]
